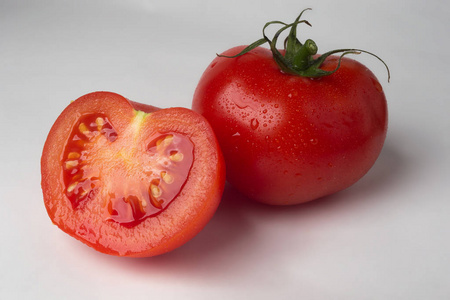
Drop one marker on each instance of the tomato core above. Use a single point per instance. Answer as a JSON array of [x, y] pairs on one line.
[[149, 178]]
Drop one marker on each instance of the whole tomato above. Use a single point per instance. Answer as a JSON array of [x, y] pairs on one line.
[[293, 126]]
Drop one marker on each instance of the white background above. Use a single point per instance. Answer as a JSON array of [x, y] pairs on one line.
[[387, 237]]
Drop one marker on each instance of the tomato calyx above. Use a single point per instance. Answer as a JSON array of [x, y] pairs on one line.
[[298, 58]]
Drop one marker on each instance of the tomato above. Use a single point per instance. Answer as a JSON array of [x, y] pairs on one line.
[[130, 179], [290, 136]]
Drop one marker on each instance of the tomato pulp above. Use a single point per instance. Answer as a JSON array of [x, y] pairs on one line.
[[130, 179], [289, 139]]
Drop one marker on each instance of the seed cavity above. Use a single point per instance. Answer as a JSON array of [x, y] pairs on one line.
[[137, 192], [80, 176], [169, 158]]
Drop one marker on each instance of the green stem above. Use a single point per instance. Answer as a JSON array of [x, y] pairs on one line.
[[291, 43], [303, 58], [285, 63], [298, 58]]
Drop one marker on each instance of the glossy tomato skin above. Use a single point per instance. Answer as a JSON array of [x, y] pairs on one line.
[[288, 139], [90, 221]]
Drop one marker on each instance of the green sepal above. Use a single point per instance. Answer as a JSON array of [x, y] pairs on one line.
[[298, 58], [247, 49]]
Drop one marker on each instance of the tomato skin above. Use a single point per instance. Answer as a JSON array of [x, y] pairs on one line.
[[288, 139], [189, 212]]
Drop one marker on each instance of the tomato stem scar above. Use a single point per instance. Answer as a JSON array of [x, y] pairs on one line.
[[138, 120]]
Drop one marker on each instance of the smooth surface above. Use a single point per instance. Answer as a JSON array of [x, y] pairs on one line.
[[387, 237]]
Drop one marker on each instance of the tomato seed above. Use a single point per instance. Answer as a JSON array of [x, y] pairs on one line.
[[83, 128], [70, 164], [177, 156], [155, 190], [100, 122], [71, 187], [167, 177], [83, 192], [77, 177], [164, 142], [73, 155]]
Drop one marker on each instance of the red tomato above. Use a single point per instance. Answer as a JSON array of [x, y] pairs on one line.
[[289, 139], [130, 179]]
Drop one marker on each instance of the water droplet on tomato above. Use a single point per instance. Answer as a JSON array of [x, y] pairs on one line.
[[244, 102], [254, 123], [377, 85]]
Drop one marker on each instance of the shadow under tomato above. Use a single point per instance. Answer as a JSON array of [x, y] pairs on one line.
[[232, 239], [387, 171], [216, 246]]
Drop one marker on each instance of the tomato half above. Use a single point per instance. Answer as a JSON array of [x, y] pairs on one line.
[[130, 179], [289, 139]]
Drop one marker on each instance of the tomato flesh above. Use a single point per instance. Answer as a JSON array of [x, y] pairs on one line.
[[81, 178], [168, 160], [142, 191], [129, 179]]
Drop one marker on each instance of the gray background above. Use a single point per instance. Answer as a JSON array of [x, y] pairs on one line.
[[387, 237]]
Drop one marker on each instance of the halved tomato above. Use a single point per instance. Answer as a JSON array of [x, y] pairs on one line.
[[130, 179]]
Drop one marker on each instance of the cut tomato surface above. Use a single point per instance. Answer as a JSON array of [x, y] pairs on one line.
[[130, 179]]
